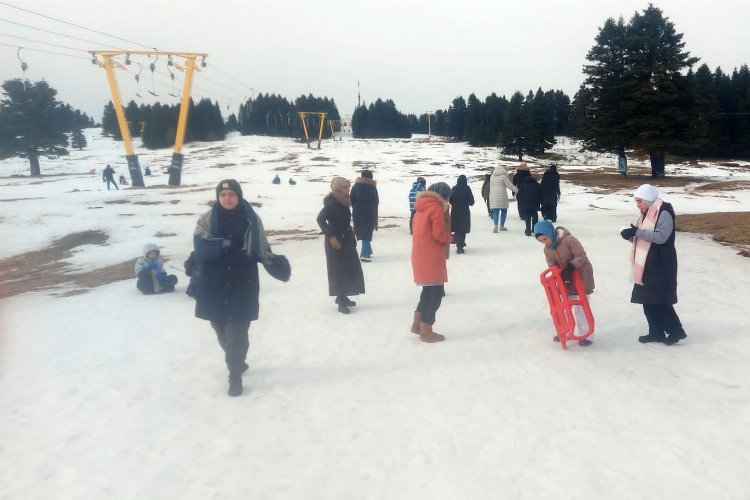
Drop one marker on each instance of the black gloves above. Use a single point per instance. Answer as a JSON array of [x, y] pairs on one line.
[[627, 234], [279, 268], [567, 273]]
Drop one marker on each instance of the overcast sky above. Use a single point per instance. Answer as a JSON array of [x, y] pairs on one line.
[[421, 54]]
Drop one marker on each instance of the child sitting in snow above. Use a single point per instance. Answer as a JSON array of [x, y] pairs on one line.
[[150, 272], [563, 250]]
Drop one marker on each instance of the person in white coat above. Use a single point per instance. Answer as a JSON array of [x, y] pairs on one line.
[[499, 185]]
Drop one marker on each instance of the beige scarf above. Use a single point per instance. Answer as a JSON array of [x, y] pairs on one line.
[[640, 247]]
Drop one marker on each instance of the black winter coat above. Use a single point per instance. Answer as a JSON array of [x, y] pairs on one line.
[[519, 177], [344, 268], [364, 196], [550, 188], [529, 196], [461, 199], [229, 287], [660, 271]]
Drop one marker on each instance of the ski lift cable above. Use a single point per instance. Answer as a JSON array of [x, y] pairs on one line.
[[199, 88], [45, 51], [44, 43], [73, 24], [59, 34], [219, 70]]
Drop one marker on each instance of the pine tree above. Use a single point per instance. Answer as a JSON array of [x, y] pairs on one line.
[[637, 89], [78, 140], [31, 123], [109, 122], [456, 119]]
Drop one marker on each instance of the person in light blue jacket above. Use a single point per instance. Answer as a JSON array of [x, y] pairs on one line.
[[416, 188], [149, 269]]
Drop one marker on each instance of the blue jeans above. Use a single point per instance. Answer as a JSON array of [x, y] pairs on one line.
[[366, 249], [502, 212]]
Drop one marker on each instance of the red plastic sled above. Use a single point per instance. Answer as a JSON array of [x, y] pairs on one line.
[[560, 305]]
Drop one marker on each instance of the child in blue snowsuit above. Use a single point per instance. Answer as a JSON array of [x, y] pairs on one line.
[[150, 272], [416, 188]]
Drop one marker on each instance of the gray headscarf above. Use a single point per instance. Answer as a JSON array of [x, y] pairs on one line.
[[441, 188]]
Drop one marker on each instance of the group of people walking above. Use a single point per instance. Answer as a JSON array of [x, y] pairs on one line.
[[531, 196], [230, 241]]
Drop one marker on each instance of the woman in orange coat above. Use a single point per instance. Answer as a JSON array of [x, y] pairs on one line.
[[430, 244]]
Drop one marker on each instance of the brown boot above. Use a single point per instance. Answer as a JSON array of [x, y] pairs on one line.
[[415, 324], [427, 335]]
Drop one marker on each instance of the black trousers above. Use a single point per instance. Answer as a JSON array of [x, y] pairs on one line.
[[549, 212], [429, 302], [531, 218], [411, 220], [662, 319], [487, 202], [113, 182], [459, 239], [234, 341]]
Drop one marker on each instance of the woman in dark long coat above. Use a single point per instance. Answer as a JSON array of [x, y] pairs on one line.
[[229, 241], [344, 269], [550, 193], [654, 266], [364, 196], [461, 199]]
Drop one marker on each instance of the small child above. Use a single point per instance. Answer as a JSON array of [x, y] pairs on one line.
[[276, 179], [150, 272], [563, 250]]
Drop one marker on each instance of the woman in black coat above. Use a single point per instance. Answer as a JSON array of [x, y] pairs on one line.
[[654, 266], [344, 269], [461, 199], [550, 193], [229, 241], [529, 198], [364, 198]]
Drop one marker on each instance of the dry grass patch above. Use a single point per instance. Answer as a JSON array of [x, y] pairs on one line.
[[610, 182], [45, 269], [724, 186], [730, 228]]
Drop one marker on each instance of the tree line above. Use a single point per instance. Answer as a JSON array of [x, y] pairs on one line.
[[156, 124], [638, 95], [274, 115]]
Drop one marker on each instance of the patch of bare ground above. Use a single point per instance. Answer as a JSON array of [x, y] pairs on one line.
[[22, 199], [723, 186], [292, 234], [44, 269], [729, 228], [409, 161], [320, 158], [364, 164], [290, 157], [223, 165], [159, 234], [192, 190], [609, 182], [281, 169], [387, 226]]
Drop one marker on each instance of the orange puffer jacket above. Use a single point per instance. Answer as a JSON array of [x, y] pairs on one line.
[[431, 235]]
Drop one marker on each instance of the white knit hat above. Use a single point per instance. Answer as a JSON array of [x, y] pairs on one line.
[[646, 192]]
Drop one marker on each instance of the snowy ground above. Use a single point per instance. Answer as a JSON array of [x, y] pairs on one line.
[[110, 394]]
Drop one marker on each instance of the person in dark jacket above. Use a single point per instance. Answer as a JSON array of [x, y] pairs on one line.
[[149, 270], [416, 188], [486, 193], [550, 188], [461, 199], [364, 198], [108, 175], [529, 198], [229, 241], [522, 172], [344, 268], [654, 266]]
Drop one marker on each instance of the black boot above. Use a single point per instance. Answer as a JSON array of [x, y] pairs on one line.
[[343, 309], [645, 339], [235, 385], [675, 337]]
